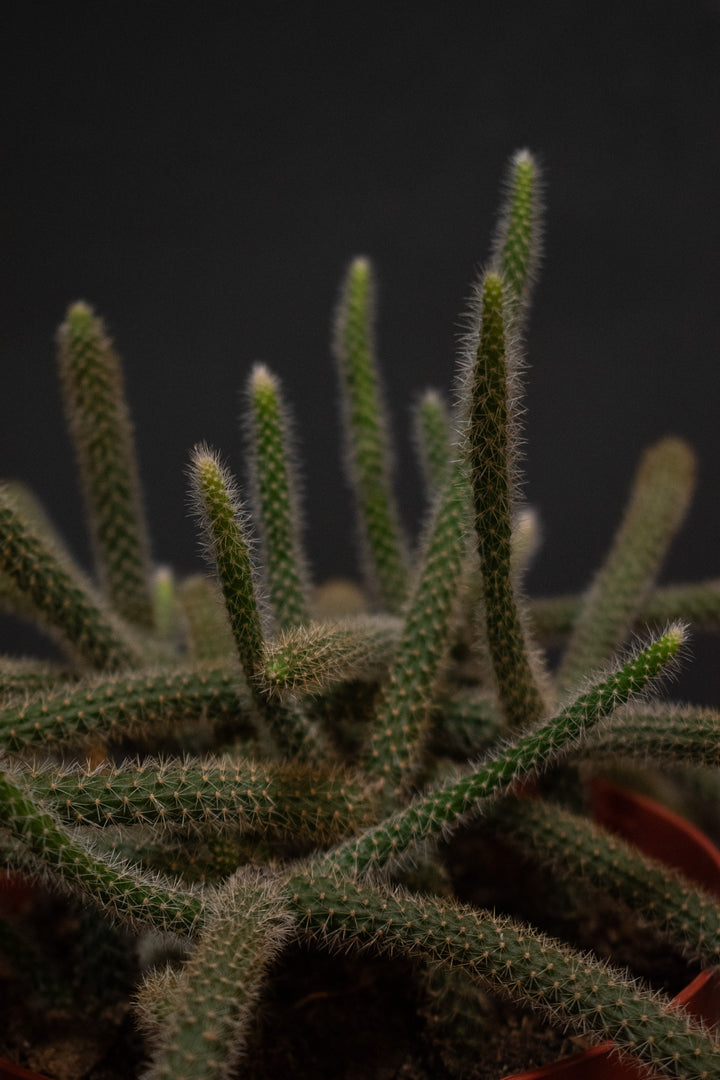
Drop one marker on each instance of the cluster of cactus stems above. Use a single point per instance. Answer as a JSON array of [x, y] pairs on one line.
[[216, 759]]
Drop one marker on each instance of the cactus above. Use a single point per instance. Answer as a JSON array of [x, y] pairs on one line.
[[225, 775]]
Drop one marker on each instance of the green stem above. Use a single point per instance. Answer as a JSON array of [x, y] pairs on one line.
[[210, 1003], [572, 991], [99, 422], [367, 441], [120, 707], [226, 531], [516, 251], [403, 713], [490, 439], [658, 502], [672, 735], [212, 796], [64, 602], [277, 498], [696, 603], [312, 660], [575, 849], [433, 435], [436, 813], [132, 896]]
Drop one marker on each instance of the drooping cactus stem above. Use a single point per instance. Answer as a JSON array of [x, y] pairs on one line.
[[128, 894], [578, 851]]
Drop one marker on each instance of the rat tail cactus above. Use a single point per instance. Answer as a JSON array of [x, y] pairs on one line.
[[222, 771]]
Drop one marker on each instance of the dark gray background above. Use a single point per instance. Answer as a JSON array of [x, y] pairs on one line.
[[202, 175]]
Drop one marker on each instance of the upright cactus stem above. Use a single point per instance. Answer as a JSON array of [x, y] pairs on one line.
[[403, 714], [367, 446], [434, 438], [99, 422], [491, 434], [516, 252], [658, 503], [277, 498], [225, 528], [211, 1000]]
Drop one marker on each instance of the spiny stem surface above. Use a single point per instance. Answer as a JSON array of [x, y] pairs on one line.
[[436, 813], [574, 992], [65, 604], [658, 502], [490, 450], [367, 440], [99, 422], [277, 498], [396, 738]]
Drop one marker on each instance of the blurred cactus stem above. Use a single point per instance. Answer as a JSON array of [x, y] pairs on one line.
[[99, 422]]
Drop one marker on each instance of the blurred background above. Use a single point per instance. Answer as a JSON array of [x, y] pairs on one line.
[[202, 173]]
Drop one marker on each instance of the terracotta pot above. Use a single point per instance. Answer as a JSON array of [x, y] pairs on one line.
[[8, 1071], [662, 835]]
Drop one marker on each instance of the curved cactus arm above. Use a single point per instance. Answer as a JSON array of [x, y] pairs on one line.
[[491, 438], [127, 894], [443, 808], [142, 704], [367, 447], [213, 796], [574, 848], [277, 498], [697, 603], [434, 438], [64, 602], [574, 992], [225, 529], [312, 660], [659, 500], [99, 422], [226, 532], [673, 735], [403, 712], [518, 240], [209, 1003]]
